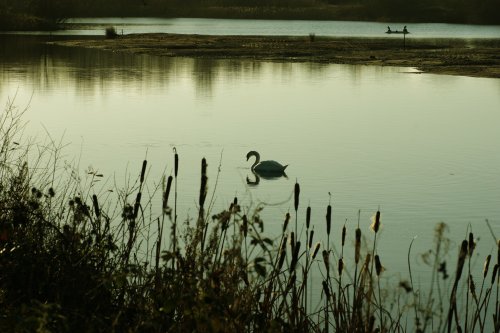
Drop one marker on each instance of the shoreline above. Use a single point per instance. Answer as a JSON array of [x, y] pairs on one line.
[[466, 57]]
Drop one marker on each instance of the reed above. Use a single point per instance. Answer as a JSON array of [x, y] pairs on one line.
[[64, 256]]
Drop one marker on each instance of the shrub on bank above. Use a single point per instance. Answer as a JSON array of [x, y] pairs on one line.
[[68, 263]]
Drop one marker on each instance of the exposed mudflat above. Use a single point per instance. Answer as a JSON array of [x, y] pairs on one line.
[[476, 57]]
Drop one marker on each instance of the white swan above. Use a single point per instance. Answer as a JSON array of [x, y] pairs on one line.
[[265, 167]]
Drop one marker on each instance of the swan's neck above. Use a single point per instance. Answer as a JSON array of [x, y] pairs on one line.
[[257, 159]]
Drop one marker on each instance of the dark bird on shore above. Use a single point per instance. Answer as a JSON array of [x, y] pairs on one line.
[[266, 168]]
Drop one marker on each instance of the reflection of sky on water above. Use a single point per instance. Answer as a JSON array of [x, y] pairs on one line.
[[422, 147], [96, 26]]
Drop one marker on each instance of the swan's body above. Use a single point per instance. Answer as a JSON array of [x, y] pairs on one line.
[[266, 167]]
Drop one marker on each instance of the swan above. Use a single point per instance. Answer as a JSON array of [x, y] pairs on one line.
[[265, 167], [255, 182]]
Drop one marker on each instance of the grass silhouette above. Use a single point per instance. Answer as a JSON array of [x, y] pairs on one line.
[[72, 260]]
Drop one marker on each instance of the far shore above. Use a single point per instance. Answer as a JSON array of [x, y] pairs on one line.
[[476, 57]]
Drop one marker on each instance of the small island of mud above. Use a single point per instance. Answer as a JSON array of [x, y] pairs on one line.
[[474, 57]]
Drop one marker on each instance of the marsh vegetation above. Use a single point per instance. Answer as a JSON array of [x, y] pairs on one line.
[[74, 259], [28, 15]]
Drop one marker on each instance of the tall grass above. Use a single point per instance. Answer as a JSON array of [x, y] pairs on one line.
[[73, 259]]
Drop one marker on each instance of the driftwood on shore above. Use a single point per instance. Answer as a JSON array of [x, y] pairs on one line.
[[478, 57]]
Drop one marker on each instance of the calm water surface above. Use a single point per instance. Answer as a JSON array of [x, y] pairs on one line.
[[95, 26], [424, 148]]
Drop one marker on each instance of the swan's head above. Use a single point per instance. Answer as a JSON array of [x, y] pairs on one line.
[[252, 153]]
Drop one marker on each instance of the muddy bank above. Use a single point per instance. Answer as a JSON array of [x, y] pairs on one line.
[[478, 57]]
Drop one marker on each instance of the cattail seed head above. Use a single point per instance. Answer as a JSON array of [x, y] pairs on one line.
[[376, 222], [328, 219], [282, 253], [203, 183], [378, 265], [326, 289], [472, 287], [245, 226], [311, 237], [176, 162], [498, 253], [316, 250], [326, 259], [143, 171], [308, 217], [137, 204], [136, 210], [235, 205], [341, 266], [461, 259], [296, 196], [96, 206], [471, 244], [494, 274], [295, 256], [343, 235], [167, 192], [486, 265], [287, 219], [357, 247]]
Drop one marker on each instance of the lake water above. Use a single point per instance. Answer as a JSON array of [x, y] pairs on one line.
[[95, 26], [424, 148]]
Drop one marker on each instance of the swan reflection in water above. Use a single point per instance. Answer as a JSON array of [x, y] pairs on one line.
[[265, 169]]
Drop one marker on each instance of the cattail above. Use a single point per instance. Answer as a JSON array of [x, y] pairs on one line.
[[204, 166], [341, 266], [308, 217], [287, 219], [472, 245], [326, 260], [486, 265], [316, 250], [244, 226], [176, 162], [137, 204], [494, 274], [296, 196], [343, 235], [143, 171], [498, 253], [357, 247], [376, 222], [295, 257], [328, 219], [311, 236], [378, 265], [326, 289], [282, 253], [461, 259], [96, 206], [203, 185], [167, 192], [472, 287]]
